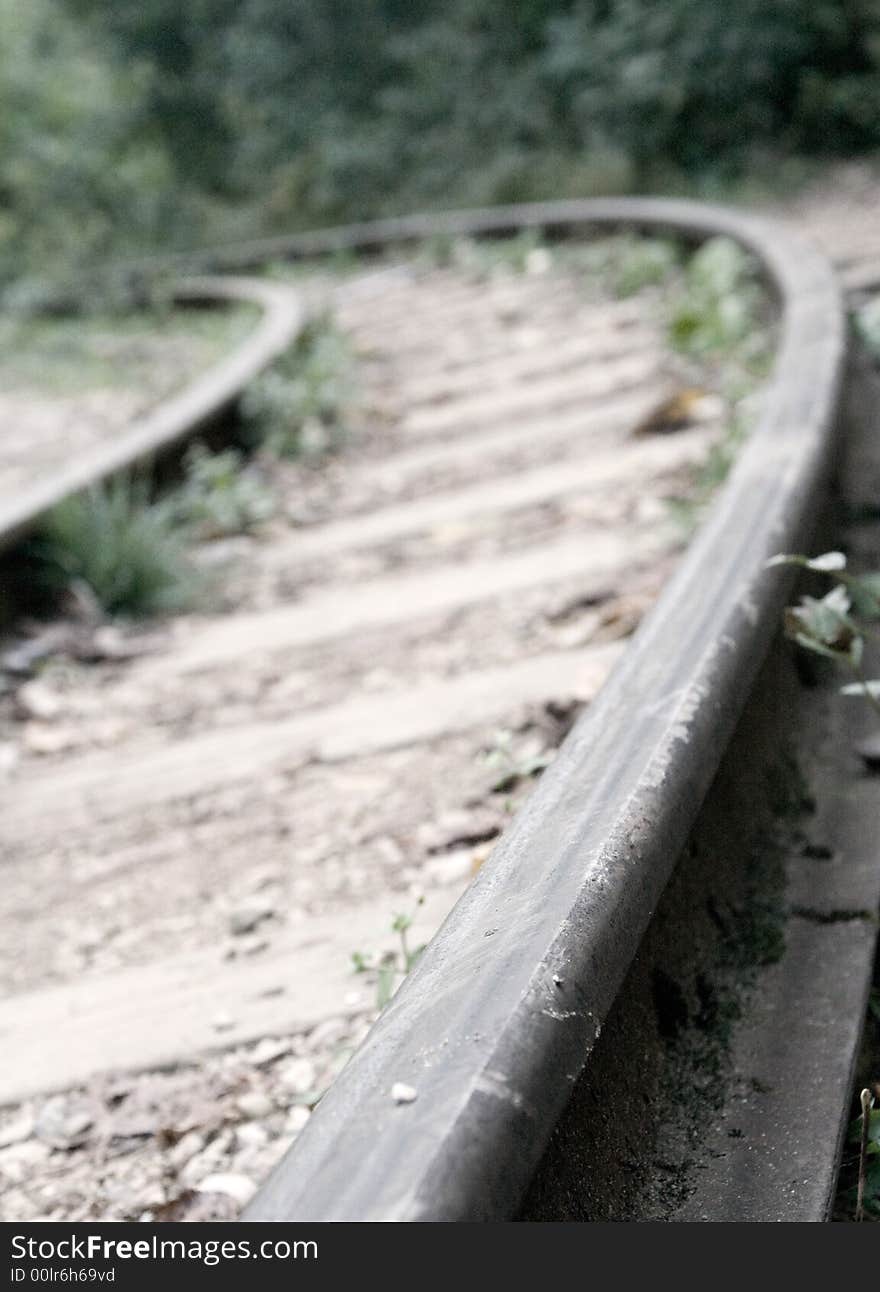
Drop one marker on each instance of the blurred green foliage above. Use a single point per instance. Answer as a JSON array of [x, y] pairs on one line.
[[127, 549], [155, 124], [300, 406]]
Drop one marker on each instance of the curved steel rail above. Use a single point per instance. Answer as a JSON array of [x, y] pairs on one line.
[[496, 1022], [181, 415]]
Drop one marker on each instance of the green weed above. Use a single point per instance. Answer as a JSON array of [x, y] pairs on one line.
[[390, 968], [220, 495], [715, 315], [125, 547], [837, 625], [688, 510], [301, 406], [512, 767], [719, 305]]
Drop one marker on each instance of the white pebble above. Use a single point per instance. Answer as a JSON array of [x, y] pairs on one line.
[[298, 1076], [403, 1094], [239, 1187], [296, 1119], [254, 1104]]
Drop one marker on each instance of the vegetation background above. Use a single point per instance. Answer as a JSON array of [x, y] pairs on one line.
[[156, 124]]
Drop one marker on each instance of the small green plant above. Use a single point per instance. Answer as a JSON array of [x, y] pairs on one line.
[[512, 768], [301, 406], [718, 306], [124, 546], [834, 626], [711, 473], [220, 494], [391, 967]]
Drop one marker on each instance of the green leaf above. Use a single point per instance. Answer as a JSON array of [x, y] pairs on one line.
[[823, 625], [385, 985], [865, 594], [854, 1130], [827, 563], [811, 644], [414, 956]]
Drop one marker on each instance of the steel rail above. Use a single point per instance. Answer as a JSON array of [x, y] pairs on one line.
[[498, 1019], [181, 415]]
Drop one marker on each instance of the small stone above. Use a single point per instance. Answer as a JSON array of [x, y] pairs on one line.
[[18, 1129], [448, 830], [254, 1104], [39, 738], [265, 877], [450, 867], [245, 918], [296, 1119], [212, 1158], [36, 700], [249, 944], [109, 643], [250, 1135], [297, 1077], [538, 261], [222, 1022], [185, 1149], [572, 635], [330, 1032], [89, 938], [708, 408], [64, 1123], [18, 1161], [239, 1187], [401, 1093], [268, 1051]]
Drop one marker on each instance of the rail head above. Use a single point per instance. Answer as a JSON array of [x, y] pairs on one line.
[[497, 1021], [179, 416]]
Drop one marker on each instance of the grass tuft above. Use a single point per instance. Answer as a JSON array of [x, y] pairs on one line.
[[126, 548]]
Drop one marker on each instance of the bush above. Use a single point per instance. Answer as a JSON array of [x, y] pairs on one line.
[[162, 123], [80, 175]]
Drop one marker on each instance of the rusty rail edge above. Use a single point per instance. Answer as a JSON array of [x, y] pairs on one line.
[[497, 1020], [181, 415]]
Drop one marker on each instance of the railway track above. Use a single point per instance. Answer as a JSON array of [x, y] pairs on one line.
[[669, 949]]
